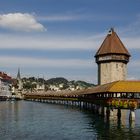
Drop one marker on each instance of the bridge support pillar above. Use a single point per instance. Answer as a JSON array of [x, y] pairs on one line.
[[100, 110], [109, 113], [132, 115], [119, 114], [103, 111]]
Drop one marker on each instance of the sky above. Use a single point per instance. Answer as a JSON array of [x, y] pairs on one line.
[[59, 38]]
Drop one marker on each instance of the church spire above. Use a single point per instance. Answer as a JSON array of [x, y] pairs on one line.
[[19, 80], [18, 74]]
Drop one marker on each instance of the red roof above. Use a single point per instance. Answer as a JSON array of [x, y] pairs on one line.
[[5, 76], [112, 45]]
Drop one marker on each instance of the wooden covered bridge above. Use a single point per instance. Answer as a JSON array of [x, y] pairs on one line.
[[116, 95]]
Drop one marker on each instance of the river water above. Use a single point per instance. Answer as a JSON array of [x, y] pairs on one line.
[[24, 120]]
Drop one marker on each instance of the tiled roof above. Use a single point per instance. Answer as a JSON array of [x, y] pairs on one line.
[[112, 45], [114, 87], [117, 86], [5, 76]]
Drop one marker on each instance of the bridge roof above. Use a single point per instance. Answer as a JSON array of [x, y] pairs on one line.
[[114, 87], [117, 87]]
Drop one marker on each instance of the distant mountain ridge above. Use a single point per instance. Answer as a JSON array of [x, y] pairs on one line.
[[58, 80], [61, 80], [58, 83]]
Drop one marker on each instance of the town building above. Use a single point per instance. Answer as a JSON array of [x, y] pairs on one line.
[[40, 86], [5, 85]]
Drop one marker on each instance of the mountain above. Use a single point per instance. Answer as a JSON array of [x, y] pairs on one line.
[[56, 81], [84, 84]]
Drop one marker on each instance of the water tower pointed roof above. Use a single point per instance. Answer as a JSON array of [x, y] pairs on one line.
[[112, 45]]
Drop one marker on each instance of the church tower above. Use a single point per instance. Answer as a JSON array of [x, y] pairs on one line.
[[112, 58], [20, 84], [18, 75]]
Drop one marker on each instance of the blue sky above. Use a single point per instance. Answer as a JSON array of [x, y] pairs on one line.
[[59, 38]]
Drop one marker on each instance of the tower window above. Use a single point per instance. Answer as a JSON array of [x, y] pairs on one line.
[[116, 65]]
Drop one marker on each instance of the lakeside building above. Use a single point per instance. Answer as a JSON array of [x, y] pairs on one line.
[[40, 86], [5, 85]]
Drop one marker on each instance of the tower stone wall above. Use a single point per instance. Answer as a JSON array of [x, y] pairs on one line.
[[112, 71]]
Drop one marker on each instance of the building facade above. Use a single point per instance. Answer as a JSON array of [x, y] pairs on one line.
[[112, 58]]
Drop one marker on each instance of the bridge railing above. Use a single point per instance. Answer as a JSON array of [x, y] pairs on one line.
[[115, 102]]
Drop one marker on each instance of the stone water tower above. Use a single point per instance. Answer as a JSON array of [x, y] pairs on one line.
[[112, 58]]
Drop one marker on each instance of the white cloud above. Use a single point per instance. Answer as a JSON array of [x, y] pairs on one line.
[[72, 16], [9, 61], [132, 42], [20, 22], [135, 64], [134, 69], [45, 43], [132, 29], [29, 67]]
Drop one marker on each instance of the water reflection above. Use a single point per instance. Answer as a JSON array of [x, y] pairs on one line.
[[30, 120], [116, 129]]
